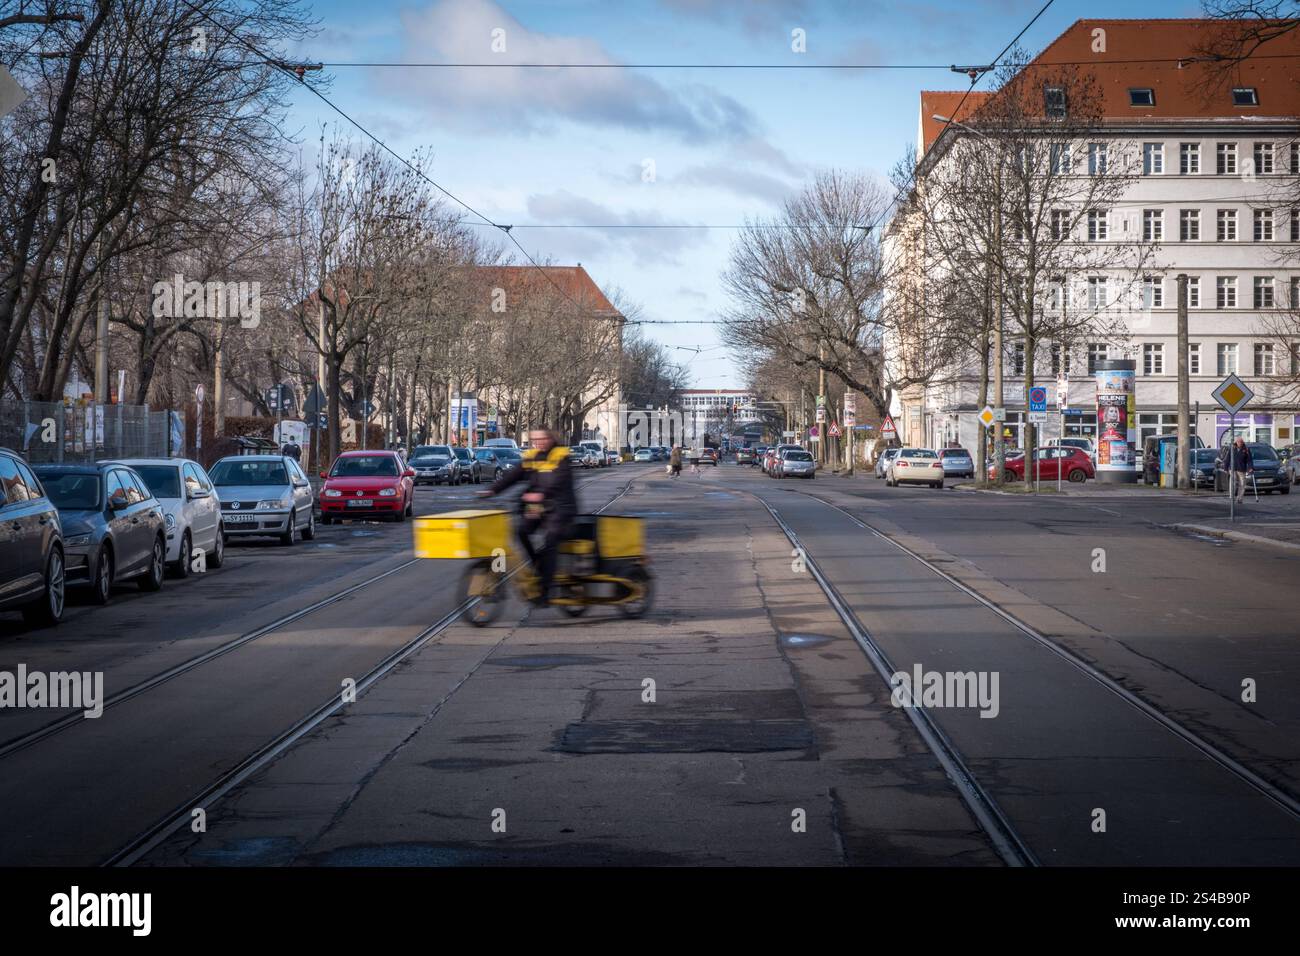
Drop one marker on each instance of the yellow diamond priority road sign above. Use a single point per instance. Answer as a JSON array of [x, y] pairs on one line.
[[1233, 394], [987, 417]]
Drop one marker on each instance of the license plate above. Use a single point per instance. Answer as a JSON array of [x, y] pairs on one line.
[[238, 519], [361, 503]]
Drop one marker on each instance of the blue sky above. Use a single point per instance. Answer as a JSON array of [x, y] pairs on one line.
[[572, 145]]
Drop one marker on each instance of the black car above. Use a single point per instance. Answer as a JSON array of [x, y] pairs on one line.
[[471, 469], [1267, 475], [1203, 467], [113, 527], [31, 545], [436, 463]]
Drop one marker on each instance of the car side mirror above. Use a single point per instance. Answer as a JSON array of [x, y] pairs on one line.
[[194, 495], [117, 504], [409, 473], [324, 474]]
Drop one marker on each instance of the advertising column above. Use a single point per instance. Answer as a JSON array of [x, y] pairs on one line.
[[1116, 421]]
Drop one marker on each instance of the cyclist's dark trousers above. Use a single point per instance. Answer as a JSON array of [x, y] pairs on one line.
[[544, 556]]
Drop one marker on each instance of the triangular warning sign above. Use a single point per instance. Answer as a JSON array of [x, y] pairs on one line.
[[887, 429]]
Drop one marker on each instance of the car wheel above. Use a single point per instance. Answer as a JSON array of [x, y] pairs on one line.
[[1078, 475], [152, 579], [1009, 476], [1284, 490], [101, 589], [478, 477], [309, 532], [326, 519], [47, 610], [218, 555], [410, 506], [400, 516], [182, 565], [287, 538]]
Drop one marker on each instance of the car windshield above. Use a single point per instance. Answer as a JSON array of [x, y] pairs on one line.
[[365, 466], [1203, 456], [163, 480], [484, 454], [72, 492], [234, 471], [918, 453], [1265, 452], [462, 453], [798, 456]]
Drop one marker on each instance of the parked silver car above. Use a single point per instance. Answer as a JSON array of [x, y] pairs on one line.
[[264, 495], [957, 463], [437, 464]]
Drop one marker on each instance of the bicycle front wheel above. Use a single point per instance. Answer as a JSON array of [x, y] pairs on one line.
[[487, 591]]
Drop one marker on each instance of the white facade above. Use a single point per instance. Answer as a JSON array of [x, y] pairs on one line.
[[1214, 196]]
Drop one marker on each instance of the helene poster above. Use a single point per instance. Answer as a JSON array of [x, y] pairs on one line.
[[1115, 419]]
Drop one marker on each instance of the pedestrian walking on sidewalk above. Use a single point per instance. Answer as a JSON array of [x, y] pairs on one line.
[[694, 456], [1243, 466], [675, 461]]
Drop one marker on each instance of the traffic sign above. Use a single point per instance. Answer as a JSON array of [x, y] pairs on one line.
[[1037, 399], [1038, 418], [821, 413], [12, 95], [1063, 392], [1232, 394], [315, 401], [887, 429], [834, 430], [986, 416], [850, 409]]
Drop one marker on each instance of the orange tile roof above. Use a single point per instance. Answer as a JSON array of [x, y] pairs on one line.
[[573, 281], [1181, 92]]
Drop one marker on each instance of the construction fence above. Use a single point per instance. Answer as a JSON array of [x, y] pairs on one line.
[[81, 431]]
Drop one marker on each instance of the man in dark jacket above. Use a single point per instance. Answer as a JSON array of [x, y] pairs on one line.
[[549, 502], [1242, 465]]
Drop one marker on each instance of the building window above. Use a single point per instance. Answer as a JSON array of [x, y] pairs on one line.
[[1142, 97], [1226, 159], [1153, 359], [1263, 157], [1097, 225], [1295, 292], [1295, 357], [1096, 292], [1153, 159], [1060, 153], [1097, 158], [1245, 96], [1264, 292], [1060, 223], [1295, 157], [1018, 359], [1194, 358], [1058, 294], [1189, 225], [1263, 225], [1153, 292], [1153, 225], [1054, 103], [1227, 358], [1193, 292], [1264, 364], [1295, 224], [1056, 360], [1096, 355], [1227, 225], [1227, 292], [1189, 158]]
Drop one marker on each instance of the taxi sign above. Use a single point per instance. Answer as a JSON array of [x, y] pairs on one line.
[[1233, 394], [986, 416]]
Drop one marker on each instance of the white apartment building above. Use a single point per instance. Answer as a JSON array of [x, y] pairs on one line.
[[1217, 196]]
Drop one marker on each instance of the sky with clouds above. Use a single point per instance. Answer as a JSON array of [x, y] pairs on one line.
[[574, 147]]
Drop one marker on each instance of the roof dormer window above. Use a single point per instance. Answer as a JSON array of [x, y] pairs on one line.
[[1245, 96], [1054, 104], [1142, 97]]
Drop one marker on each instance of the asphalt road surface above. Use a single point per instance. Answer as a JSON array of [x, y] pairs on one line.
[[1132, 694]]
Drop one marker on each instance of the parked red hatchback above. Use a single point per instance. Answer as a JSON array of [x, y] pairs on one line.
[[1072, 464], [367, 484]]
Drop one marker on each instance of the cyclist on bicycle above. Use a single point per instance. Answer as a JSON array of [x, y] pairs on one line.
[[549, 503]]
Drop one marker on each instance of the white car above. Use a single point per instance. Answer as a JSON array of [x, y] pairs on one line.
[[191, 510], [915, 466]]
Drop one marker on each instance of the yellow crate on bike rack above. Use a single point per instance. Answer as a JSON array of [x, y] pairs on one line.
[[620, 536], [461, 534]]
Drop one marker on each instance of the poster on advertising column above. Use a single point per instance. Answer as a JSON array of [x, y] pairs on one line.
[[1116, 421]]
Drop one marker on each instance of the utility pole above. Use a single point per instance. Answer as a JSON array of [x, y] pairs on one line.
[[999, 449], [1184, 391], [821, 399], [101, 332]]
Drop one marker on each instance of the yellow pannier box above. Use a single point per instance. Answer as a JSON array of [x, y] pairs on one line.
[[618, 536], [461, 534]]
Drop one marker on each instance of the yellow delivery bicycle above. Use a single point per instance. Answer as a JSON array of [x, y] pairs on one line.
[[604, 562]]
